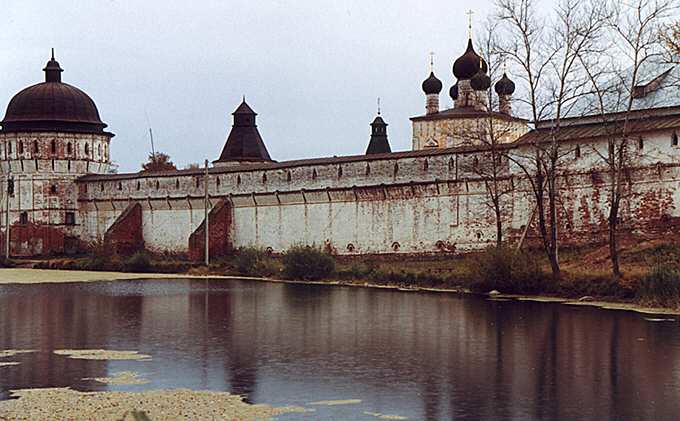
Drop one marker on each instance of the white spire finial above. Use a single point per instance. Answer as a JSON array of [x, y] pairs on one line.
[[470, 13]]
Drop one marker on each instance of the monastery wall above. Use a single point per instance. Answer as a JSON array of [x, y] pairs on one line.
[[411, 202]]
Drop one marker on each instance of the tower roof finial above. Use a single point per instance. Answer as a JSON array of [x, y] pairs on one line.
[[470, 13], [431, 61], [378, 105], [52, 53]]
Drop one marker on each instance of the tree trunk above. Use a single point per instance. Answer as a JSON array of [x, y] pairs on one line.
[[613, 240], [499, 228]]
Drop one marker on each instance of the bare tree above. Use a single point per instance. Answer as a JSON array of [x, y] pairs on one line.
[[634, 47], [670, 36], [545, 51]]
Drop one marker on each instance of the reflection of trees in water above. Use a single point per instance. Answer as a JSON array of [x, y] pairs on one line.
[[464, 357]]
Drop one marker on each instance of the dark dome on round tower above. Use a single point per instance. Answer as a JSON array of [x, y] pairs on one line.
[[432, 85], [52, 106], [505, 86], [453, 92], [480, 81], [467, 65]]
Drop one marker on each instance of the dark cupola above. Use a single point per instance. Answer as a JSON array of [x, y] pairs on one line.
[[505, 86], [468, 65], [244, 143], [453, 92], [481, 81], [432, 85], [52, 106], [378, 142]]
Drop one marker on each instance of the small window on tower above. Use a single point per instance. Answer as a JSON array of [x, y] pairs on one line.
[[53, 189], [9, 148], [35, 146], [53, 146], [577, 151], [20, 147], [641, 143], [674, 139], [23, 218], [87, 149], [70, 218], [69, 148]]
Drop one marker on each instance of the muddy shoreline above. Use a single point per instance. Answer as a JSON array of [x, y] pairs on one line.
[[42, 276]]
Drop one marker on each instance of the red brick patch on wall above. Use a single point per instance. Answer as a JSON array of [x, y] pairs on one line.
[[125, 236], [220, 221]]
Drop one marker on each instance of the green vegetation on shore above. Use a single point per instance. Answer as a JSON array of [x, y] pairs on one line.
[[651, 270]]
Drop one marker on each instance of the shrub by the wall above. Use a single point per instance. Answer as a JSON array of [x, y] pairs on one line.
[[307, 263], [252, 261], [661, 287], [138, 262], [508, 271]]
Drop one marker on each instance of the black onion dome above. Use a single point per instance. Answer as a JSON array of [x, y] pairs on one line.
[[432, 85], [480, 82], [52, 106], [453, 92], [505, 86], [467, 65]]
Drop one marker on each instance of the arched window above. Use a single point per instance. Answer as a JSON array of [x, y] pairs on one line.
[[368, 169], [23, 218], [314, 174], [120, 186], [577, 151], [177, 184], [217, 181], [158, 185], [87, 149], [9, 148], [53, 147], [674, 139], [69, 148], [139, 186], [641, 143], [20, 147], [35, 147], [426, 165], [339, 171], [288, 176], [396, 168], [53, 189], [238, 179], [264, 177]]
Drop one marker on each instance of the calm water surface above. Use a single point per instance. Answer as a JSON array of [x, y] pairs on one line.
[[425, 356]]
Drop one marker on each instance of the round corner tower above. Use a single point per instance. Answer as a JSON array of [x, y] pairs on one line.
[[51, 135]]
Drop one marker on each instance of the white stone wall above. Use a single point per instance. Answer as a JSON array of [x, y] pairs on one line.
[[423, 201]]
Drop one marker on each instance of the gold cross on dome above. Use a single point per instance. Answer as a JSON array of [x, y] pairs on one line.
[[470, 13], [432, 61]]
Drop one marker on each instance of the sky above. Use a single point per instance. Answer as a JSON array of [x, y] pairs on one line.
[[312, 70]]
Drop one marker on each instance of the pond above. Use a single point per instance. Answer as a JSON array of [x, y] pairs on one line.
[[423, 356]]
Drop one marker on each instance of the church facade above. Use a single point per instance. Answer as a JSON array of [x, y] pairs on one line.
[[54, 163]]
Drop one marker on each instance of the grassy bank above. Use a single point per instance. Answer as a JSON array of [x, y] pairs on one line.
[[651, 270]]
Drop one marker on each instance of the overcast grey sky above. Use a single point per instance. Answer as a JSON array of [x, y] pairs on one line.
[[312, 70]]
